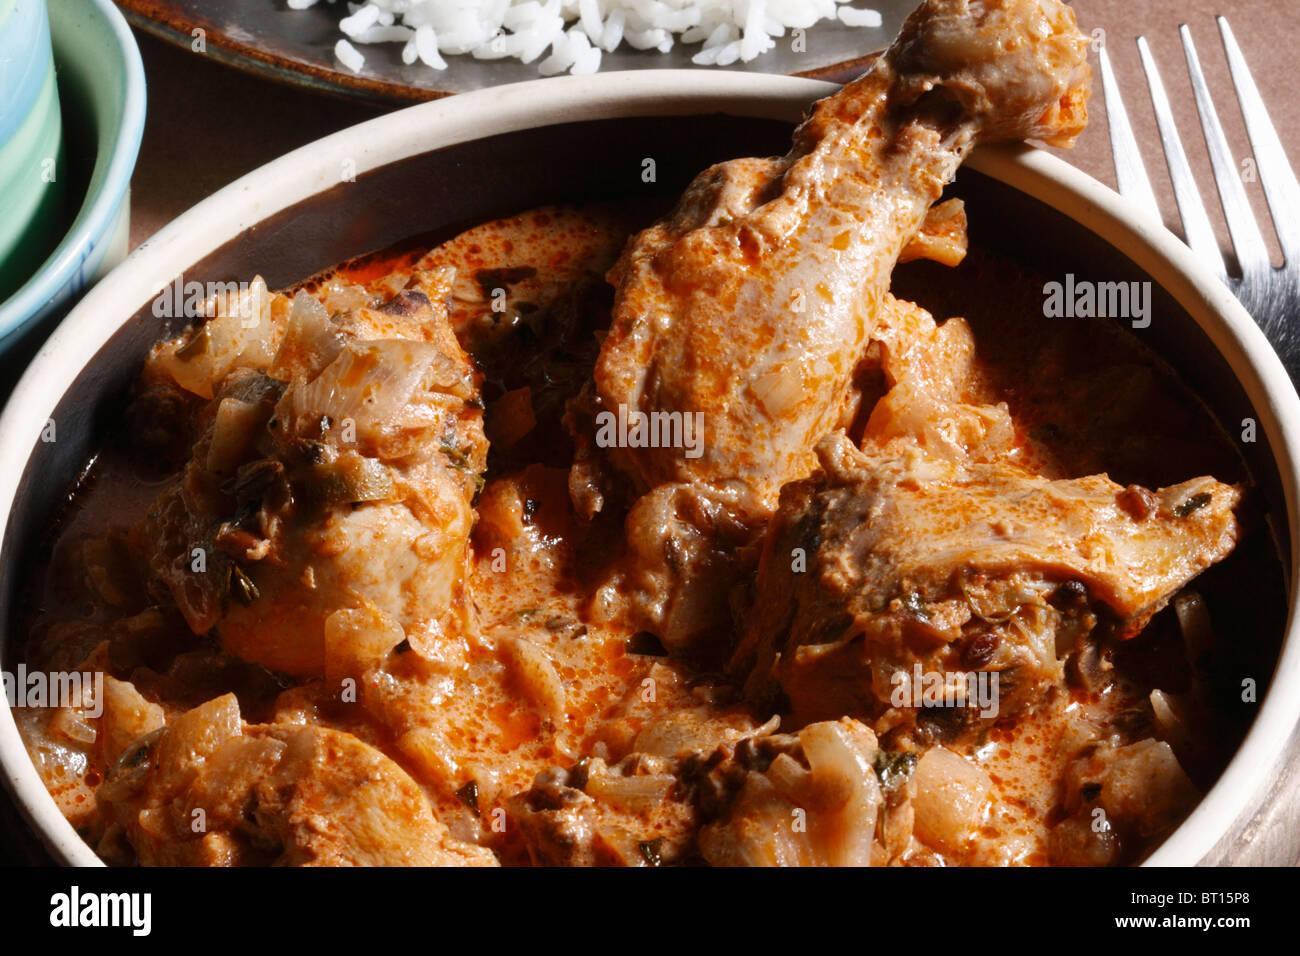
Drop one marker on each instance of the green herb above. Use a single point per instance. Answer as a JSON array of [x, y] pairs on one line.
[[457, 457], [196, 346], [651, 851], [242, 586], [893, 769], [468, 795], [912, 601], [352, 479], [138, 753], [313, 452], [1194, 503], [253, 478]]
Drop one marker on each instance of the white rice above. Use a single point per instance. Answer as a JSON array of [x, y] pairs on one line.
[[349, 56], [852, 17], [569, 36]]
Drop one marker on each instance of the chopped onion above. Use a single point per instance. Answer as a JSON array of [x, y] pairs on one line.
[[370, 383], [534, 671], [637, 793], [1169, 721], [950, 796], [69, 722], [238, 332], [311, 342], [233, 430]]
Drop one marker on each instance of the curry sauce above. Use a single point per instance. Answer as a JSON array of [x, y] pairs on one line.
[[555, 698]]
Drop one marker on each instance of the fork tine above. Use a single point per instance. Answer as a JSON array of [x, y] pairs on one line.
[[1196, 222], [1130, 174], [1248, 244], [1275, 172]]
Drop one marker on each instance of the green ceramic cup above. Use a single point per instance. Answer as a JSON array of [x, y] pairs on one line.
[[31, 144], [101, 96]]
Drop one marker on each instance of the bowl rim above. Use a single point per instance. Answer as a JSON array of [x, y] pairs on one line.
[[97, 215], [425, 127]]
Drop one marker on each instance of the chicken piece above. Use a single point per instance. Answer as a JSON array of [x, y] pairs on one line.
[[890, 582], [683, 540], [333, 473], [761, 288], [206, 790], [748, 307]]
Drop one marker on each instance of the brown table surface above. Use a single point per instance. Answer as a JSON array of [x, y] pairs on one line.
[[209, 124], [190, 95]]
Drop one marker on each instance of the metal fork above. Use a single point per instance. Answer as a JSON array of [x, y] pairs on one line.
[[1271, 295], [1265, 833]]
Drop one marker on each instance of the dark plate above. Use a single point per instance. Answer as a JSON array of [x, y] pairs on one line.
[[297, 46]]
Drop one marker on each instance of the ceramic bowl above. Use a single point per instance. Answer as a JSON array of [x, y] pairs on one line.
[[101, 91], [436, 168], [32, 183]]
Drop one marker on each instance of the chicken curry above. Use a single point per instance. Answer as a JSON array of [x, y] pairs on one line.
[[576, 540]]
